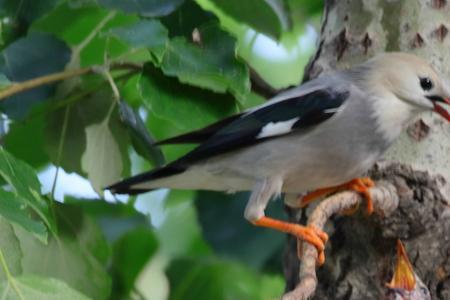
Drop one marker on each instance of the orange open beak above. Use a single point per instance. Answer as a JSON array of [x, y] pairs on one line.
[[441, 110], [404, 277]]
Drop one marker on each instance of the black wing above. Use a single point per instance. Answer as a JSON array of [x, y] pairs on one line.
[[201, 135], [269, 121]]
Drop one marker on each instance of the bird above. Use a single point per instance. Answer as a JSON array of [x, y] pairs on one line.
[[320, 136], [405, 283]]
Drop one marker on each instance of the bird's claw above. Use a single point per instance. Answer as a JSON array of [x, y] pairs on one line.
[[310, 234], [360, 185], [314, 236]]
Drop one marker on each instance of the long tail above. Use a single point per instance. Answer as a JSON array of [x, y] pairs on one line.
[[136, 184]]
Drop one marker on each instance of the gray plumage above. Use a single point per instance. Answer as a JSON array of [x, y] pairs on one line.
[[374, 102]]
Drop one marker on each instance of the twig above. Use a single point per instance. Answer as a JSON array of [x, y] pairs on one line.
[[385, 201], [51, 78], [35, 82], [82, 95]]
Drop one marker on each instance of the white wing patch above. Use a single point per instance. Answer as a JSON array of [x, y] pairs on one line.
[[332, 110], [276, 128]]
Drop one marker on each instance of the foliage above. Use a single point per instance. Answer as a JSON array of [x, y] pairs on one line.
[[108, 78]]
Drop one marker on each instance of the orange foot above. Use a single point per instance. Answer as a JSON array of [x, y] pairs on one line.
[[310, 234], [361, 185], [320, 255]]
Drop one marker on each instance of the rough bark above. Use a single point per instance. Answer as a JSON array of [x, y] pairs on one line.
[[361, 249]]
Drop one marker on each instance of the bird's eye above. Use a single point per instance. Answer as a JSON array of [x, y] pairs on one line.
[[426, 83]]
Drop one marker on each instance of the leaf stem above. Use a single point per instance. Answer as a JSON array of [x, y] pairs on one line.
[[116, 93], [113, 85], [58, 161], [9, 276]]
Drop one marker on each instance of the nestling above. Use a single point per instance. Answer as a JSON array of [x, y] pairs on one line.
[[324, 133], [405, 284]]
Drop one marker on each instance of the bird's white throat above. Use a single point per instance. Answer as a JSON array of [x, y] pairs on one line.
[[392, 115]]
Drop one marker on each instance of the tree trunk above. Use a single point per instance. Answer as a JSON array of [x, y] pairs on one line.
[[361, 249]]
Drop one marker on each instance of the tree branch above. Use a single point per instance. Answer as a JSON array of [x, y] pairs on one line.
[[385, 201], [23, 86], [43, 80]]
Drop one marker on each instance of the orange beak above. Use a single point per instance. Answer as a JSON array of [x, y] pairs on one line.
[[404, 277], [441, 110]]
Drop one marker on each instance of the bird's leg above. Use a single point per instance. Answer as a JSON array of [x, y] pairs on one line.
[[291, 200], [310, 234], [361, 185], [254, 212]]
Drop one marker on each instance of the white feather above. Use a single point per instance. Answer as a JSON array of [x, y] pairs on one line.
[[277, 128], [332, 110], [392, 115]]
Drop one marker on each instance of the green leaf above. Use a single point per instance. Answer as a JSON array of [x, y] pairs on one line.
[[13, 208], [272, 286], [26, 10], [141, 139], [203, 279], [103, 209], [252, 100], [18, 15], [309, 8], [116, 218], [144, 33], [79, 116], [184, 106], [180, 234], [90, 110], [255, 49], [36, 55], [74, 25], [4, 81], [152, 282], [25, 196], [210, 64], [20, 134], [21, 177], [148, 8], [102, 160], [129, 90], [78, 256], [266, 16], [131, 253], [39, 288], [10, 247], [85, 29], [162, 128], [223, 225], [185, 19]]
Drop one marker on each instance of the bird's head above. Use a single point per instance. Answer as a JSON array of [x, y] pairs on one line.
[[413, 81], [405, 284]]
